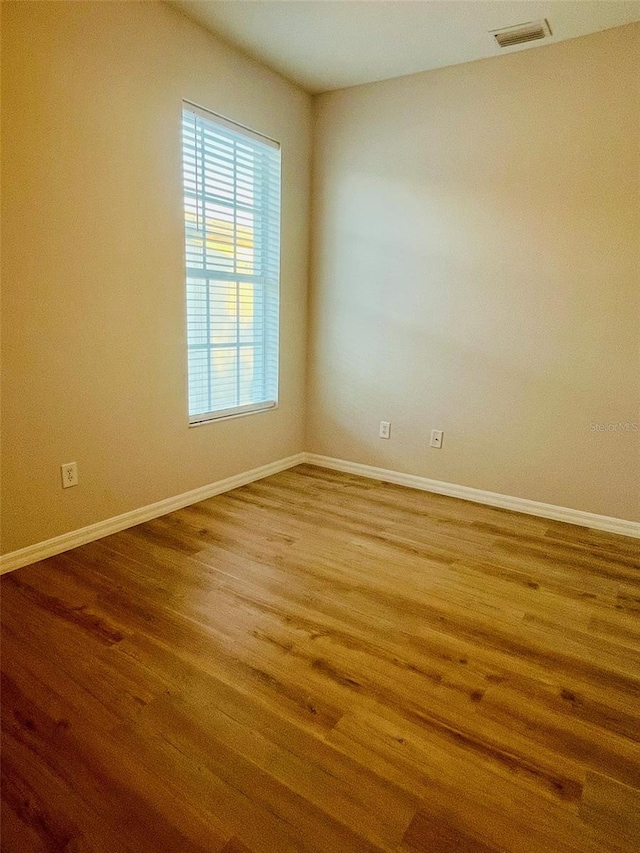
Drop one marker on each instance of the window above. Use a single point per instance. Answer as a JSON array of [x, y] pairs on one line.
[[232, 235]]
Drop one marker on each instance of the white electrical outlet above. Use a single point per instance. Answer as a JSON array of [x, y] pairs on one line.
[[385, 429], [436, 438], [69, 473]]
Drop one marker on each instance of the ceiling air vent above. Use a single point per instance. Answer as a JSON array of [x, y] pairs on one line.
[[522, 33]]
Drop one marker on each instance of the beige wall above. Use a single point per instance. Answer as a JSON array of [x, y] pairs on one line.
[[94, 360], [476, 270]]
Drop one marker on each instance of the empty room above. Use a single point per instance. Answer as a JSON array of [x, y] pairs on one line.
[[320, 521]]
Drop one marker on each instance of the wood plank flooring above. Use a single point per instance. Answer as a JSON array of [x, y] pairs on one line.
[[318, 662]]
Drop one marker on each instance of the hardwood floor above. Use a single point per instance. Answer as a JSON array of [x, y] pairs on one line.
[[318, 662]]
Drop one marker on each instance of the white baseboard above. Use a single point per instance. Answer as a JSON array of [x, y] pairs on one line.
[[51, 547], [557, 513]]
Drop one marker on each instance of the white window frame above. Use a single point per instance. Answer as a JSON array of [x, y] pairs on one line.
[[268, 280]]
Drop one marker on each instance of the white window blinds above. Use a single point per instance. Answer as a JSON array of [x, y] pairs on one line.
[[232, 235]]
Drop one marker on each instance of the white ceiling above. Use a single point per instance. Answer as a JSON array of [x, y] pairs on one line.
[[331, 44]]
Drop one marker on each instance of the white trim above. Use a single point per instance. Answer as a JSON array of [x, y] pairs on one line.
[[51, 547], [467, 493], [235, 412], [242, 129]]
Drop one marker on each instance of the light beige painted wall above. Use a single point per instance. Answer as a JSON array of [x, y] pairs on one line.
[[477, 270], [93, 348]]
